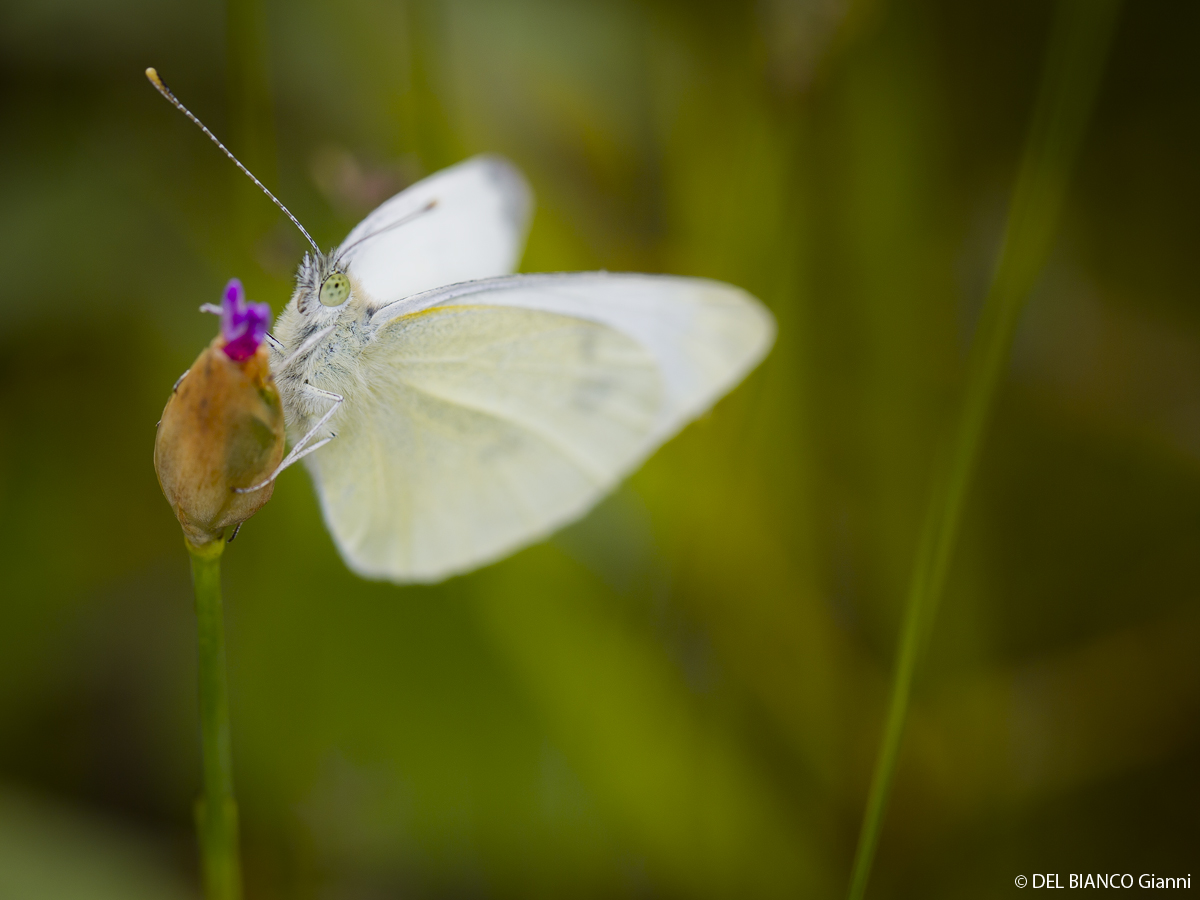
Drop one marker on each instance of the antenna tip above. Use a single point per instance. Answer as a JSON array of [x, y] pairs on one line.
[[152, 74]]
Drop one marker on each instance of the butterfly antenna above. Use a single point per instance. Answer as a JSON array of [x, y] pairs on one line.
[[403, 220], [166, 92]]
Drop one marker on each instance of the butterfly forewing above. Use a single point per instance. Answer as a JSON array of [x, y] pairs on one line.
[[466, 222], [703, 335]]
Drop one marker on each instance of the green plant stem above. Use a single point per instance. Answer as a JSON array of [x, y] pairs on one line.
[[1074, 63], [216, 811]]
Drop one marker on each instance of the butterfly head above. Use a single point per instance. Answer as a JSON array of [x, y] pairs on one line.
[[322, 286]]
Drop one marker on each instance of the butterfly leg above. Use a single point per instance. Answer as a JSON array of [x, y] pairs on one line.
[[311, 341], [301, 449], [174, 388], [324, 395]]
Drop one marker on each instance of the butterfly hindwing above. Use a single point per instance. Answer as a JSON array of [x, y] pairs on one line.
[[476, 430]]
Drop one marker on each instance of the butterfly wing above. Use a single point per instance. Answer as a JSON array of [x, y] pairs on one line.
[[704, 335], [476, 430], [475, 228], [500, 410]]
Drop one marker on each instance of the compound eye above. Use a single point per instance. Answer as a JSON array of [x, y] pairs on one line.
[[335, 289]]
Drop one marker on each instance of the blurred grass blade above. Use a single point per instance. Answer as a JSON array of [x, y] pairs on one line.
[[1074, 63]]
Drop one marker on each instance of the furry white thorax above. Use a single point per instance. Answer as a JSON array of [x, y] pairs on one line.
[[329, 363]]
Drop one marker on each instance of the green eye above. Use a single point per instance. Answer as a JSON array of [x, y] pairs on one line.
[[335, 289]]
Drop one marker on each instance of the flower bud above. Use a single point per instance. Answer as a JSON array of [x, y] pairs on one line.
[[222, 428]]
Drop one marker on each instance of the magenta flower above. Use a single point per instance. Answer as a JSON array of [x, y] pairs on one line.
[[243, 325]]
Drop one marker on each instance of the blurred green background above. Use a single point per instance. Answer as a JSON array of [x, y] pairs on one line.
[[682, 695]]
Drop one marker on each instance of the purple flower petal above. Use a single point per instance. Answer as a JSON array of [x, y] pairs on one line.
[[243, 325]]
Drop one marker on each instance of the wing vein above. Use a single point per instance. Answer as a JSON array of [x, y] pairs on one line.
[[565, 451]]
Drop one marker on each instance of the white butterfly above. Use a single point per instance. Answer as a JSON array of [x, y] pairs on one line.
[[450, 412]]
